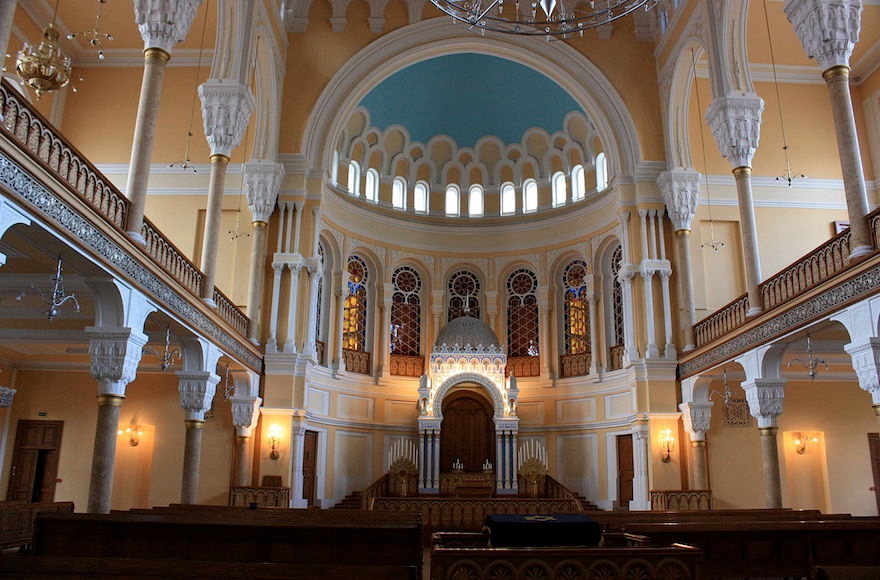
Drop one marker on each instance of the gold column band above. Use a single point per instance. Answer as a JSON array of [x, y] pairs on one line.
[[682, 233], [154, 53], [699, 443], [110, 400], [768, 431], [840, 70], [193, 424], [220, 159], [259, 224], [742, 170]]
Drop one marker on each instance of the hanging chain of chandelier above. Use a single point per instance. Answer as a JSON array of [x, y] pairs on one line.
[[549, 18]]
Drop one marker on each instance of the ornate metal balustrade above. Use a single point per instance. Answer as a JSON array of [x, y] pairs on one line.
[[356, 361], [681, 500], [406, 365], [523, 366], [575, 365], [722, 321]]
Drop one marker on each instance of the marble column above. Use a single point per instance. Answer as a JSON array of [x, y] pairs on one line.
[[297, 444], [828, 31], [114, 356], [245, 414], [315, 266], [7, 14], [196, 389], [262, 181], [735, 120], [681, 191], [162, 24], [696, 417], [226, 108], [765, 398]]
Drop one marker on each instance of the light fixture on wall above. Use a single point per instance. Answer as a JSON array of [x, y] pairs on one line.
[[134, 432], [788, 176], [44, 68], [274, 440], [801, 440], [168, 354], [54, 298], [94, 37], [548, 18], [667, 444], [813, 360]]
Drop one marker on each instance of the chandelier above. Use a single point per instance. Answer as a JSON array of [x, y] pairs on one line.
[[54, 298], [44, 68], [550, 18]]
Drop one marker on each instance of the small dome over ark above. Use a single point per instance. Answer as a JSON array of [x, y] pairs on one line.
[[467, 330]]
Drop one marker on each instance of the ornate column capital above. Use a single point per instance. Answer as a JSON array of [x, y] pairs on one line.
[[735, 120], [681, 190], [196, 390], [828, 29], [262, 180], [696, 417], [164, 23], [245, 413], [315, 265], [866, 363], [226, 108], [765, 399], [115, 354]]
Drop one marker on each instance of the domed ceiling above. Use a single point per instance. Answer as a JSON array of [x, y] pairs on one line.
[[467, 96]]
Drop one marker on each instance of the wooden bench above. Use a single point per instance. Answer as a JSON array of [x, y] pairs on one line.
[[618, 520], [738, 549], [17, 520]]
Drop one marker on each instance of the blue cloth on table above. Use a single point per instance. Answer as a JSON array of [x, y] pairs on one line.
[[543, 530]]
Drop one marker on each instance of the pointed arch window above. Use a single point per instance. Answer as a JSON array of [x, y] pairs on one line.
[[576, 355], [617, 320], [530, 195], [354, 315], [406, 312], [320, 324], [354, 178], [464, 295], [601, 172], [420, 197], [398, 193], [522, 313], [453, 200], [371, 189], [560, 191], [508, 199], [475, 201], [578, 183]]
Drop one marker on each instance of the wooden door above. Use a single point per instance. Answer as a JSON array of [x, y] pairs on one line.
[[35, 461], [310, 461], [467, 432], [874, 450], [625, 471]]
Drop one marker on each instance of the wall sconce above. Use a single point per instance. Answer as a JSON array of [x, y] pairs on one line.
[[667, 444], [801, 440], [134, 432], [274, 440]]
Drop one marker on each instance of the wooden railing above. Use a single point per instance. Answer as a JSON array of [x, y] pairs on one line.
[[406, 365], [523, 366], [575, 365], [39, 139], [260, 497], [379, 488], [356, 361], [722, 321], [681, 499], [319, 352], [615, 357]]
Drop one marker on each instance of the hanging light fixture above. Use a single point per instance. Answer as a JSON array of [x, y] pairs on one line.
[[44, 68], [813, 360], [168, 355], [549, 18], [186, 164], [95, 37], [54, 298]]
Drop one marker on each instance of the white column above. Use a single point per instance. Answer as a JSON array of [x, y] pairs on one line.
[[315, 272], [293, 312], [384, 342], [298, 432], [669, 347], [593, 303], [272, 340], [641, 500], [262, 181], [648, 279], [696, 418], [545, 332], [245, 414]]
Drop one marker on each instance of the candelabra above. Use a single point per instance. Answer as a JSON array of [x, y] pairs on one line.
[[54, 298]]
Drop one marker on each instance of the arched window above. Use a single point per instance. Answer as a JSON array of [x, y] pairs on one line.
[[575, 320], [371, 191], [320, 323], [475, 201], [453, 200], [398, 193], [530, 195], [354, 315], [464, 295], [578, 183], [354, 178], [406, 312], [522, 313], [420, 197], [617, 322], [508, 199], [601, 172], [560, 192]]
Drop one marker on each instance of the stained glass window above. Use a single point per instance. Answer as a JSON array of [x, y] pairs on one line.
[[617, 295], [354, 316], [576, 313], [406, 313], [463, 290], [522, 313]]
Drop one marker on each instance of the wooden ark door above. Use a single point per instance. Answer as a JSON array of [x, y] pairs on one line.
[[625, 471], [35, 461], [310, 462], [874, 450], [467, 432]]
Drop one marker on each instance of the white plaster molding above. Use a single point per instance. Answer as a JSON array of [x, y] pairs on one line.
[[828, 29], [164, 23], [226, 109], [262, 180], [735, 120], [681, 192]]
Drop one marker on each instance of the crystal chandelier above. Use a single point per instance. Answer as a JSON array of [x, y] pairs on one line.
[[44, 68], [550, 18]]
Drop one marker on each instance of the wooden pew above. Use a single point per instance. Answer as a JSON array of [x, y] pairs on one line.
[[17, 520], [738, 549], [618, 520]]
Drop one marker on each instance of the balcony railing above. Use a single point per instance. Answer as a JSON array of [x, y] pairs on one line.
[[356, 361], [39, 139], [406, 366], [524, 366], [575, 365]]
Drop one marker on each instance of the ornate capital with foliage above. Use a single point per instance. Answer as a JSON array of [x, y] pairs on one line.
[[828, 29], [164, 23], [736, 123]]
